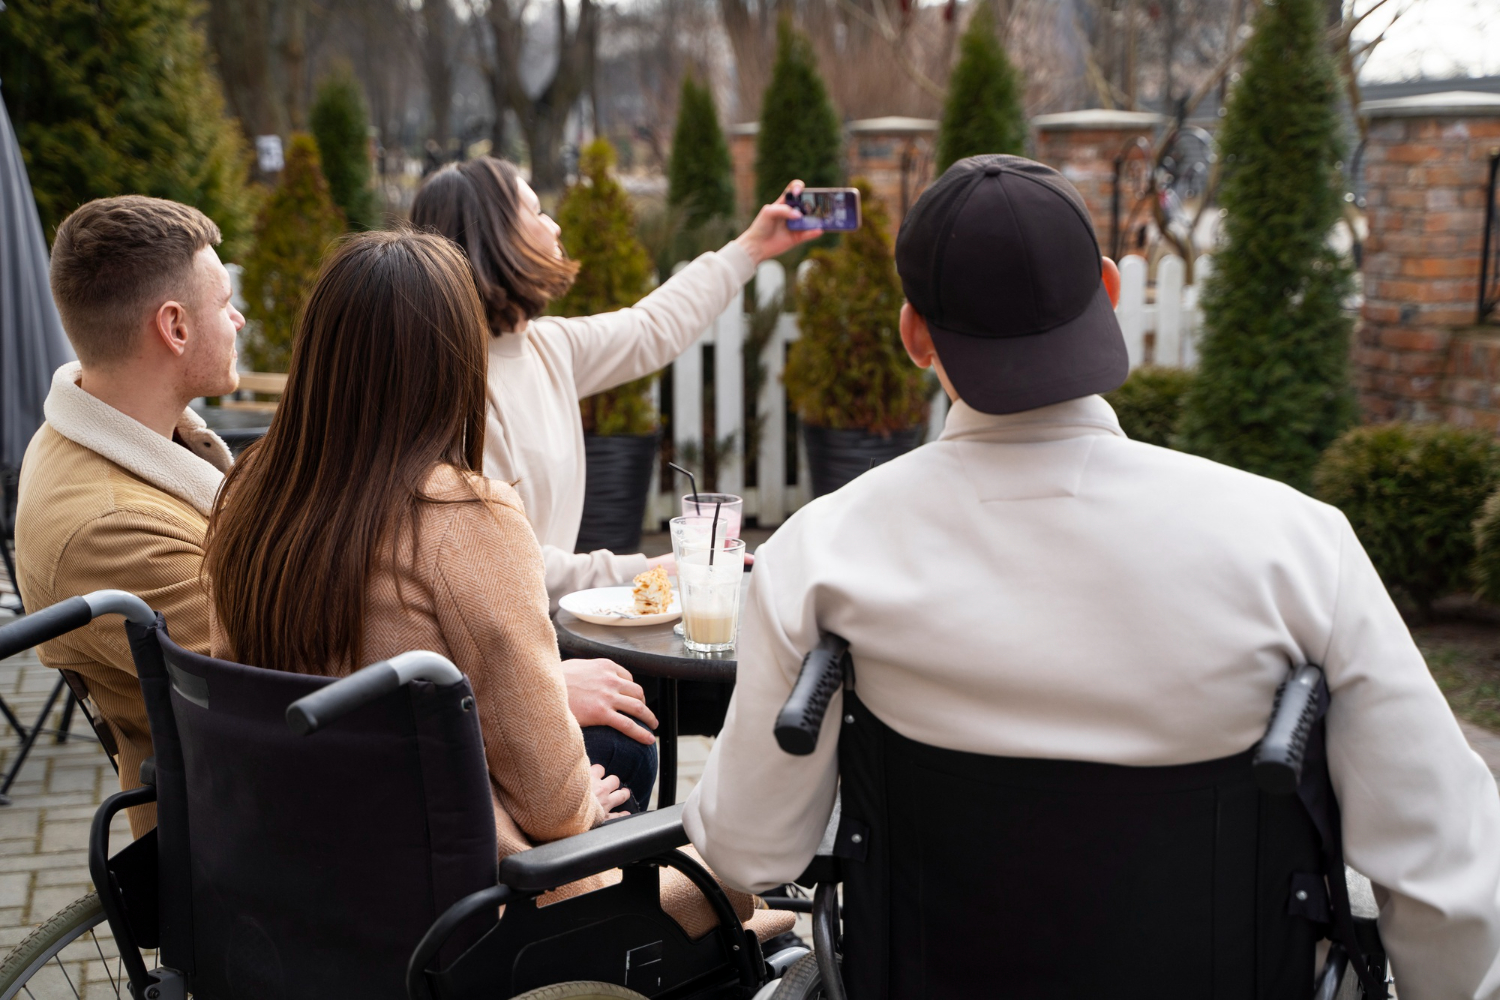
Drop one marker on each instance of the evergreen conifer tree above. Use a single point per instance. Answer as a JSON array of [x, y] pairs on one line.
[[598, 231], [982, 113], [294, 228], [700, 176], [114, 97], [341, 124], [848, 370], [1273, 386], [800, 135]]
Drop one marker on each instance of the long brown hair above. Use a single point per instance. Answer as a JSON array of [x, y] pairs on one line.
[[477, 205], [387, 380]]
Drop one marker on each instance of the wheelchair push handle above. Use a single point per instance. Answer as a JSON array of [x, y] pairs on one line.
[[801, 718], [1279, 755], [65, 616], [312, 712]]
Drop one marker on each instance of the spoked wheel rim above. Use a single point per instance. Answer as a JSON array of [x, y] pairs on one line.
[[50, 963]]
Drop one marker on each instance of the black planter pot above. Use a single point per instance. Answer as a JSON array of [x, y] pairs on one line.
[[614, 495], [836, 457]]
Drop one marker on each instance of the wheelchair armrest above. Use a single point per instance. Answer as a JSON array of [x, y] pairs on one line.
[[616, 843]]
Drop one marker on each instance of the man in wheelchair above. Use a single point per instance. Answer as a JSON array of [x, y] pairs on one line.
[[1064, 646]]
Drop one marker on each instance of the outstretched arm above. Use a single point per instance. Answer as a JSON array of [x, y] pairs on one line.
[[610, 349]]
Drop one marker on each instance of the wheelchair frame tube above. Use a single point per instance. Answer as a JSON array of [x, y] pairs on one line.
[[65, 616], [1278, 757], [437, 935], [312, 712], [135, 967], [801, 718], [825, 939]]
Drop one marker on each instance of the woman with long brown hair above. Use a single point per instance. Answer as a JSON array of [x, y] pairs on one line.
[[539, 367], [360, 526]]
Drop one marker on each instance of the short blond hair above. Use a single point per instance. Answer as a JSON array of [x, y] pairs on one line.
[[116, 258]]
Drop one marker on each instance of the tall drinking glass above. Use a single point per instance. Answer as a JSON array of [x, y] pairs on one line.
[[731, 509], [709, 571]]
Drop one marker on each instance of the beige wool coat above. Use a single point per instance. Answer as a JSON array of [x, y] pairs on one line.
[[473, 589], [107, 503]]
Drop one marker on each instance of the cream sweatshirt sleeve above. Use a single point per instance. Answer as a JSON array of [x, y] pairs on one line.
[[758, 814], [571, 571], [1420, 813], [613, 348]]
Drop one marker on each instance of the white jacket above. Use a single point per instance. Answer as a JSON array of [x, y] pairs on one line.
[[533, 436], [1037, 585]]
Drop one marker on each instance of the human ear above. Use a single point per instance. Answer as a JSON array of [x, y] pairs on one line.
[[1111, 278], [169, 325], [916, 338]]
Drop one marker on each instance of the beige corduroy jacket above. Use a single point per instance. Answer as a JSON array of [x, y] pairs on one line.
[[106, 502]]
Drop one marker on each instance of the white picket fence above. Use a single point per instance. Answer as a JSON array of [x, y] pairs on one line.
[[1172, 317]]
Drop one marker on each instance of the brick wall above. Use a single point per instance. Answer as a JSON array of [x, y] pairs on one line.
[[1082, 146], [894, 154], [1417, 354]]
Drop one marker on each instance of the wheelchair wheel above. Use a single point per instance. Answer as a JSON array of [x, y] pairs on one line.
[[581, 991], [803, 981], [70, 955]]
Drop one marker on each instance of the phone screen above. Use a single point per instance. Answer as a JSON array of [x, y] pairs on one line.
[[830, 209]]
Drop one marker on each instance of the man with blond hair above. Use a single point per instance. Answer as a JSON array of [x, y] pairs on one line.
[[117, 485]]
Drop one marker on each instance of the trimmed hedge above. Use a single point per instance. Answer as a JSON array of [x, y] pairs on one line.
[[1149, 404], [1412, 493]]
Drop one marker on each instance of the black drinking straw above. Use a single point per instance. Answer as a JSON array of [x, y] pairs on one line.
[[713, 530], [693, 481]]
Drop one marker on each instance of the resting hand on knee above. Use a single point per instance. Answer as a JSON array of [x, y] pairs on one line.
[[608, 791], [602, 693]]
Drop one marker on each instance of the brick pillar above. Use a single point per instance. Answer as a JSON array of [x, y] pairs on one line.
[[1418, 355], [1082, 145], [896, 156], [742, 139]]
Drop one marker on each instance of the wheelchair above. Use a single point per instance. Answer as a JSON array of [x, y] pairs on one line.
[[336, 839], [964, 875], [321, 838]]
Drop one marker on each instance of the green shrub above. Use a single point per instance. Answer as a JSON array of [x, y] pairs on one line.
[[700, 176], [982, 112], [1273, 385], [294, 228], [848, 368], [1412, 492], [341, 125], [1487, 550], [799, 136], [117, 97], [598, 231], [1149, 404]]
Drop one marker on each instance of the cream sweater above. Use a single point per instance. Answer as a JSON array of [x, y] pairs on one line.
[[534, 432], [1037, 585]]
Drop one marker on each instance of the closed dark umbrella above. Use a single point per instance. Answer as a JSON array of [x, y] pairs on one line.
[[32, 344]]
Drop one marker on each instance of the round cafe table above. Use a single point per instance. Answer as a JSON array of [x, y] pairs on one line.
[[652, 651]]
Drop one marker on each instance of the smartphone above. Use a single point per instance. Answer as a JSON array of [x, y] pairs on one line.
[[834, 210]]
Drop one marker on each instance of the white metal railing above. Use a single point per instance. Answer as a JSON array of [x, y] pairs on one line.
[[1172, 317]]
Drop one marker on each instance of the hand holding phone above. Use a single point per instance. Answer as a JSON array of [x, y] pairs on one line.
[[829, 209]]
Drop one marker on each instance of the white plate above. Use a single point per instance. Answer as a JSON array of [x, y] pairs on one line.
[[615, 606]]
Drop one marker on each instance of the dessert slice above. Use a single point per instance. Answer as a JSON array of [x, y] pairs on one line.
[[653, 592]]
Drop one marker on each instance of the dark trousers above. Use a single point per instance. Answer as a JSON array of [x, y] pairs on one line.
[[633, 763]]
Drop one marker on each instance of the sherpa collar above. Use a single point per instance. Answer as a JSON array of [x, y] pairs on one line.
[[192, 473]]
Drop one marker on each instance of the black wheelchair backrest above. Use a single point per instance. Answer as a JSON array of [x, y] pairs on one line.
[[302, 866], [965, 874]]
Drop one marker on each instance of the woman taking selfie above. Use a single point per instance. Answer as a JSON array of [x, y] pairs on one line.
[[370, 474], [540, 366]]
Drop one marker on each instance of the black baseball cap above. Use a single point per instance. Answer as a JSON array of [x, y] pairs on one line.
[[999, 257]]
